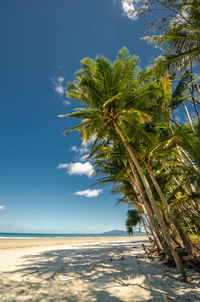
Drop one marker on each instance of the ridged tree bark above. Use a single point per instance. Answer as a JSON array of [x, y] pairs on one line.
[[185, 239], [149, 193], [137, 188], [135, 182]]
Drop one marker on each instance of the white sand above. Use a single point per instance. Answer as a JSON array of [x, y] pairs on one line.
[[84, 270]]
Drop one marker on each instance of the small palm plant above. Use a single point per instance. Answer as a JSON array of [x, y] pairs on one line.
[[133, 219]]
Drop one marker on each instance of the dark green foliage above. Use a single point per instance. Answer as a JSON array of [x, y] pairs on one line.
[[133, 218], [150, 162]]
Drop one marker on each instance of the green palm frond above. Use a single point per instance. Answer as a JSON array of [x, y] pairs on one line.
[[103, 74], [82, 113], [181, 45], [180, 92], [191, 143], [133, 116]]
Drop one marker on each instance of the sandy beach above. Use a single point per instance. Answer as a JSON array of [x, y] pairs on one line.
[[88, 269]]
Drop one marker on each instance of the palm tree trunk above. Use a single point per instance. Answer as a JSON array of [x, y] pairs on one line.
[[189, 119], [137, 187], [145, 225], [149, 193], [185, 239]]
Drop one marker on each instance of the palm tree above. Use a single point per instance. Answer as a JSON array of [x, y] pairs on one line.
[[181, 42], [114, 95], [111, 162], [133, 218]]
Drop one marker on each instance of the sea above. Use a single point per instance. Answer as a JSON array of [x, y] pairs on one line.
[[44, 235], [114, 233]]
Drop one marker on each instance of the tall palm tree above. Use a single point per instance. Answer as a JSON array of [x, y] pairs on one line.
[[112, 163], [181, 42], [118, 97]]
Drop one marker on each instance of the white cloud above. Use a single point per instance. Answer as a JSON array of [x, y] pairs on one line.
[[79, 150], [78, 168], [58, 85], [84, 157], [66, 103], [2, 207], [89, 141], [180, 18], [59, 89], [60, 79], [89, 193], [132, 7], [62, 166], [129, 9]]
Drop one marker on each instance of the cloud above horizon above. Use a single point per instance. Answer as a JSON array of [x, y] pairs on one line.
[[58, 85], [77, 168], [89, 193], [66, 103], [80, 150], [84, 157], [2, 207], [129, 9]]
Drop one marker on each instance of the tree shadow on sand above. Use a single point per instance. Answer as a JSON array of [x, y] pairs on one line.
[[103, 272]]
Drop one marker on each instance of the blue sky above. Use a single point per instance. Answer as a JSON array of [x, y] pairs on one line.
[[42, 43]]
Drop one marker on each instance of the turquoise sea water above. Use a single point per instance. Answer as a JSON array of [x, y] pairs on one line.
[[49, 236], [41, 235]]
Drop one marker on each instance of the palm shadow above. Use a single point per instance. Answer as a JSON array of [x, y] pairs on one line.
[[101, 272]]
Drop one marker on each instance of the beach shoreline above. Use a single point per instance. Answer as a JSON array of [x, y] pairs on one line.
[[20, 243], [113, 269]]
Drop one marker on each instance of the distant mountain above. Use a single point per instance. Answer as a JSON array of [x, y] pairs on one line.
[[121, 233], [115, 233]]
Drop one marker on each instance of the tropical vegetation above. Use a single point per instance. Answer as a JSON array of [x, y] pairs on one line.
[[133, 220], [139, 145]]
